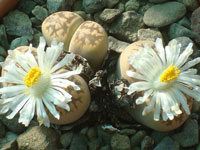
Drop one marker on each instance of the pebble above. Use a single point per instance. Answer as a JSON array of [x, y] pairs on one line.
[[2, 130], [3, 52], [126, 26], [109, 15], [95, 144], [111, 3], [8, 138], [2, 59], [121, 7], [66, 139], [36, 37], [105, 147], [26, 6], [157, 1], [92, 6], [92, 132], [12, 124], [190, 134], [40, 12], [198, 147], [12, 145], [164, 14], [195, 21], [190, 4], [55, 5], [158, 136], [18, 24], [147, 143], [132, 5], [3, 37], [21, 41], [128, 131], [167, 144], [137, 138], [149, 34], [78, 6], [79, 142], [106, 137], [120, 142], [185, 22], [116, 45], [38, 138], [176, 30]]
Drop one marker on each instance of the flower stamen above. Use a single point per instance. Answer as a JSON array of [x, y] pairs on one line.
[[32, 76], [171, 73]]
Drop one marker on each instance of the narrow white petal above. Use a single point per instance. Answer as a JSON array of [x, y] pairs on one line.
[[141, 100], [64, 83], [157, 109], [51, 108], [138, 86], [27, 112], [41, 53], [190, 64], [160, 49], [12, 90], [150, 106]]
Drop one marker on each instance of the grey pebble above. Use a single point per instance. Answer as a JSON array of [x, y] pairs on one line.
[[79, 142], [116, 45], [132, 5], [56, 5], [126, 26], [3, 37], [66, 139], [190, 134], [149, 34], [18, 24], [2, 130], [167, 144], [147, 143], [8, 138], [26, 6], [92, 6], [137, 138], [161, 15], [109, 15], [120, 142], [21, 41], [3, 52], [40, 12]]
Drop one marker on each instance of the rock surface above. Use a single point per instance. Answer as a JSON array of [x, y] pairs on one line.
[[167, 144], [116, 45], [164, 14], [92, 6], [18, 24], [149, 34], [127, 25], [38, 138], [120, 142]]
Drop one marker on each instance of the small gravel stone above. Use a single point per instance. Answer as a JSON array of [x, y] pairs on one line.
[[137, 138], [195, 21], [26, 6], [12, 124], [95, 144], [120, 142], [8, 138], [177, 30], [116, 45], [40, 13], [147, 143], [18, 23], [92, 6], [128, 131], [107, 147], [3, 37], [92, 132], [109, 15], [132, 5], [149, 34], [38, 138], [164, 14], [157, 136], [12, 145], [111, 3], [3, 52], [21, 41], [185, 22], [121, 7], [2, 130], [2, 59], [190, 134], [78, 6], [106, 137], [36, 37], [190, 4], [157, 1], [127, 25], [79, 142], [167, 144], [56, 5], [65, 139]]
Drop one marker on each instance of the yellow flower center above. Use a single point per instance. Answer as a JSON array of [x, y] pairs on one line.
[[32, 76], [171, 73]]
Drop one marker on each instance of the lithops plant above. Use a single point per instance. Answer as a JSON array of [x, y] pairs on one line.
[[36, 82], [87, 39], [163, 81]]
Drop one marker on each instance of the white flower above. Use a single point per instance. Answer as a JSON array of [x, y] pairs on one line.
[[165, 78], [36, 84]]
